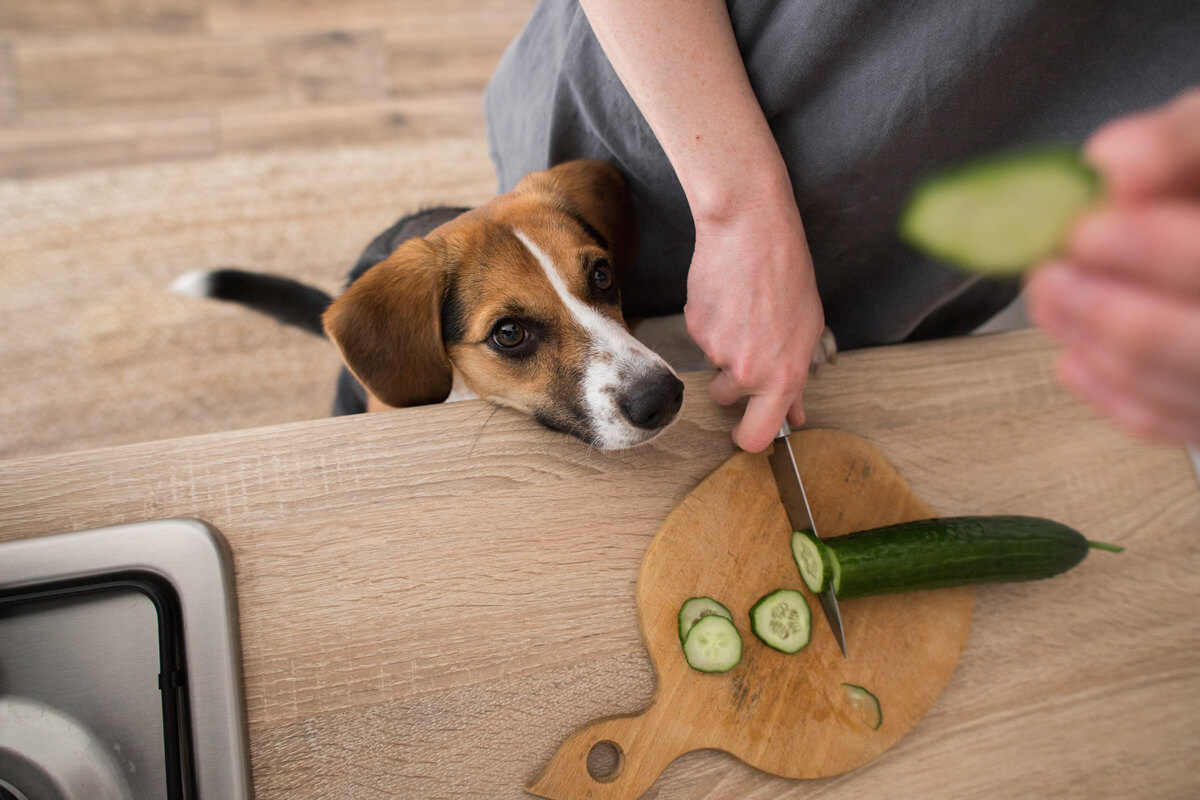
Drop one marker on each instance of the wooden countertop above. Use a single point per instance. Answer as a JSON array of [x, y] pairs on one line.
[[432, 599]]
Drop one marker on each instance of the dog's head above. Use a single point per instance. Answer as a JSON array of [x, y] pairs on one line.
[[521, 299]]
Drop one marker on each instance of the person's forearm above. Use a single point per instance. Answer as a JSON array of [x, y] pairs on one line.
[[680, 62], [752, 302]]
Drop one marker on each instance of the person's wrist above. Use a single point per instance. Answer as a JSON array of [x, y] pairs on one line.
[[720, 196]]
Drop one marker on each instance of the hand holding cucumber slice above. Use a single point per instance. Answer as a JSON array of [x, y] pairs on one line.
[[1002, 214]]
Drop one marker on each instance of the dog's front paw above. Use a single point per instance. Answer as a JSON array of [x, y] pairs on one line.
[[825, 352]]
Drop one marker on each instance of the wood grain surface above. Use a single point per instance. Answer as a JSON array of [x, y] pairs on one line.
[[102, 84], [432, 599], [97, 352], [789, 715], [141, 139]]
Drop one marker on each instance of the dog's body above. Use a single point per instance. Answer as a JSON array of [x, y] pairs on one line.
[[516, 301]]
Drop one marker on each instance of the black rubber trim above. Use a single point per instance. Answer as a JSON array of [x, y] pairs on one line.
[[172, 676]]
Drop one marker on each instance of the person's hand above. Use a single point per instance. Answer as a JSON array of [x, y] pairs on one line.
[[1124, 301], [753, 309]]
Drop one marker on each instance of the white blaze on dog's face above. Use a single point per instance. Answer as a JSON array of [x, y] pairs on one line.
[[561, 351], [525, 304]]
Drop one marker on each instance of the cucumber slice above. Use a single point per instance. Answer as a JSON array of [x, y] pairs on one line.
[[713, 645], [1000, 215], [814, 560], [782, 620], [695, 609], [866, 704]]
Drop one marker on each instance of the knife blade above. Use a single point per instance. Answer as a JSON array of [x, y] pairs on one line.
[[795, 502]]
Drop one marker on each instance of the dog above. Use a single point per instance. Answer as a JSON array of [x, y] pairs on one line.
[[517, 302]]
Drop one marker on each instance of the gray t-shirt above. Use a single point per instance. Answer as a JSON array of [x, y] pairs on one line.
[[864, 97]]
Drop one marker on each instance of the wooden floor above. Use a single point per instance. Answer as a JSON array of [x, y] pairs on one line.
[[140, 139]]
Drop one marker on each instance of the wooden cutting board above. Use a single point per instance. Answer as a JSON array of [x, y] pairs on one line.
[[788, 715]]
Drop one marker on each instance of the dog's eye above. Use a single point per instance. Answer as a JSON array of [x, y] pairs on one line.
[[508, 334], [602, 275]]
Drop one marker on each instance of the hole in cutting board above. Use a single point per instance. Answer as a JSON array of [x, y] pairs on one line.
[[604, 761]]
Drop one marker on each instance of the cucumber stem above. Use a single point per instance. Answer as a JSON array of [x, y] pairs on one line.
[[1111, 548]]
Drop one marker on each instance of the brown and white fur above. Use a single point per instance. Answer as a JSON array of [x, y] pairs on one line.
[[516, 302]]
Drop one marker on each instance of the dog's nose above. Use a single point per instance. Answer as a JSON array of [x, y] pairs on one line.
[[653, 401]]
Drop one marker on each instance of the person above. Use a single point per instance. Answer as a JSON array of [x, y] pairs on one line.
[[1123, 302], [770, 146]]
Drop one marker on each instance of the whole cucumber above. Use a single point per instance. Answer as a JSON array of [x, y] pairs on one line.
[[954, 551]]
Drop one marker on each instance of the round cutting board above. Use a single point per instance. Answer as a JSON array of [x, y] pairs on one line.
[[788, 715]]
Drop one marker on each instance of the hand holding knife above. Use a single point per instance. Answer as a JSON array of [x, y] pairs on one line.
[[791, 492]]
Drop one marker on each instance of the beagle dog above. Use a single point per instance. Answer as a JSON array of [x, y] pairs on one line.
[[517, 302]]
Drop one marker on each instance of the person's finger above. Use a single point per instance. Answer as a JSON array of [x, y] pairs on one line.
[[1147, 326], [1133, 413], [795, 414], [724, 390], [1154, 153], [1173, 395], [1043, 289], [761, 422], [1157, 244]]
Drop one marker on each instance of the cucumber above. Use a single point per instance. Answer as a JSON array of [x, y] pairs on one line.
[[954, 551], [695, 609], [814, 560], [1001, 214], [837, 569], [866, 704], [782, 620], [713, 645]]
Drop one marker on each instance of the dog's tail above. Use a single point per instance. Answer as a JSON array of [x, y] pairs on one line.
[[289, 301]]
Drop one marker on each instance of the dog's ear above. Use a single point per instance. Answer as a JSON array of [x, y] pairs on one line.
[[595, 194], [387, 326]]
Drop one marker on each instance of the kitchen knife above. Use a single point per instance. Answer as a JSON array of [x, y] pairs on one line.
[[795, 502]]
